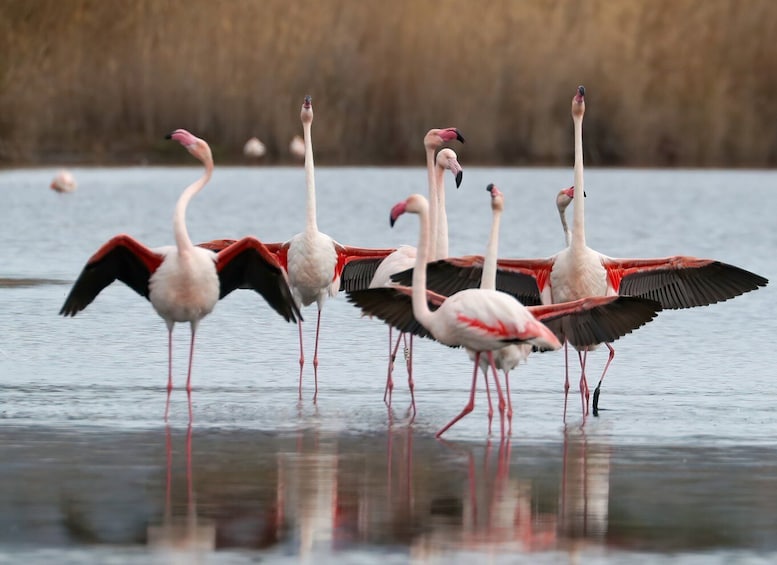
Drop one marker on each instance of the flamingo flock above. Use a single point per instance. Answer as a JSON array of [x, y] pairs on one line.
[[498, 310]]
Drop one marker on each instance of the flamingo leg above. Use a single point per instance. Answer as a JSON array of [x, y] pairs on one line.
[[391, 357], [470, 405], [598, 386], [583, 357], [499, 393], [410, 383], [301, 357], [566, 379], [488, 396], [389, 379], [509, 404], [315, 356], [189, 374], [169, 368]]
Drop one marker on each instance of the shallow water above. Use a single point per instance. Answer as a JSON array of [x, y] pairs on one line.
[[679, 467]]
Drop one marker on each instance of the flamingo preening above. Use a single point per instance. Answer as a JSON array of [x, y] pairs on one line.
[[183, 282], [484, 320], [578, 271]]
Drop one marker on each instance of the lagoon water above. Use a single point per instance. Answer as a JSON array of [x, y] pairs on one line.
[[679, 467]]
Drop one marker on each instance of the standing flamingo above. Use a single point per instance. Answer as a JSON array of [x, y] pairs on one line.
[[183, 282], [484, 320], [317, 265], [315, 261], [404, 257], [578, 271]]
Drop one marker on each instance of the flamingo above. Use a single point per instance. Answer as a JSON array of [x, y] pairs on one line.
[[317, 266], [314, 261], [404, 257], [63, 181], [183, 282], [484, 320], [297, 147], [254, 148], [578, 271]]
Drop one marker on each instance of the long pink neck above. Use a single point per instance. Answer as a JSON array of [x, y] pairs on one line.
[[488, 278], [182, 240], [440, 234], [433, 218], [310, 181], [578, 221], [420, 307]]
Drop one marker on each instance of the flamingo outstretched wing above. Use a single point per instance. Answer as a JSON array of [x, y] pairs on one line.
[[394, 306], [357, 265], [521, 278], [123, 258], [597, 319], [680, 281], [248, 263]]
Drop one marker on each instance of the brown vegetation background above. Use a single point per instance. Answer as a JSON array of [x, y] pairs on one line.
[[669, 82]]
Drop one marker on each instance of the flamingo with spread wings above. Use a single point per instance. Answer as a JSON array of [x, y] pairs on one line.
[[404, 257], [184, 282], [578, 271], [314, 262], [485, 320]]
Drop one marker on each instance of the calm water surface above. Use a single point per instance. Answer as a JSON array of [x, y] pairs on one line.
[[681, 465]]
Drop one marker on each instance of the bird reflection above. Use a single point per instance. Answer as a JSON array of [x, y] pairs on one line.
[[306, 494], [585, 488], [183, 536]]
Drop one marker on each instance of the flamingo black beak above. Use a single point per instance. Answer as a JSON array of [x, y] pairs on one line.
[[459, 136], [490, 187], [308, 101], [581, 90], [169, 136], [459, 176]]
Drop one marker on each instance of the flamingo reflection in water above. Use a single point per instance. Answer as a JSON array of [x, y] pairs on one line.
[[186, 533]]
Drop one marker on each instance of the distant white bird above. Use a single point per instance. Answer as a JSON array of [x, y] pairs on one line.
[[254, 148], [297, 147], [63, 181]]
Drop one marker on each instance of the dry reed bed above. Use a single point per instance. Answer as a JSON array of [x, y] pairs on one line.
[[669, 82]]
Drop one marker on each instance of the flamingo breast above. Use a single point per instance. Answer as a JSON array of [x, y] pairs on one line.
[[577, 274], [312, 260], [185, 288]]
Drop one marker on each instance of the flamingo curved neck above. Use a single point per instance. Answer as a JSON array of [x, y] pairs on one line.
[[488, 278], [578, 221], [310, 181], [562, 212], [441, 233], [182, 240], [433, 221], [420, 308]]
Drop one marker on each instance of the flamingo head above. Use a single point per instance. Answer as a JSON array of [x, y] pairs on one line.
[[193, 144], [564, 197], [578, 102], [447, 159], [306, 114], [434, 138], [414, 204], [497, 198]]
